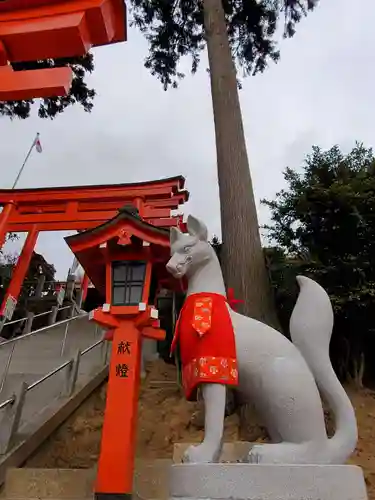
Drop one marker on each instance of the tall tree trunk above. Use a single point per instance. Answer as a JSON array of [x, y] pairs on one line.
[[243, 260]]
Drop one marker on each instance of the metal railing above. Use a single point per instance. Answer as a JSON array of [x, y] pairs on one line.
[[15, 340], [28, 321], [21, 320], [44, 328], [12, 407]]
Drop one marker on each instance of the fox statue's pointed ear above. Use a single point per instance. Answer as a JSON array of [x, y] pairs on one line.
[[197, 228], [174, 235]]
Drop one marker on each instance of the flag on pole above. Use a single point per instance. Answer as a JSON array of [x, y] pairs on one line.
[[38, 144], [38, 147]]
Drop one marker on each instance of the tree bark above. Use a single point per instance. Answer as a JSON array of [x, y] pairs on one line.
[[242, 258]]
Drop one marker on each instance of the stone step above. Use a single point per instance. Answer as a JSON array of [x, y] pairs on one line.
[[150, 477], [266, 482], [150, 482], [232, 452]]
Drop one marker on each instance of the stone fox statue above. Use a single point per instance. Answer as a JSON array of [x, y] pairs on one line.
[[219, 347]]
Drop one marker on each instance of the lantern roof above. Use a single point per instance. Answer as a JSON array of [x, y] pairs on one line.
[[126, 231]]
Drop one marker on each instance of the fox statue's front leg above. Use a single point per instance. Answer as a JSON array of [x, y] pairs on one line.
[[214, 397], [208, 357]]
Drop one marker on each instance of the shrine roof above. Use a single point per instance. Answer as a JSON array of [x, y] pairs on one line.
[[118, 231], [127, 213]]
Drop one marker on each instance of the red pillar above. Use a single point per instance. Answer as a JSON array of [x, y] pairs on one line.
[[139, 205], [84, 285], [4, 217], [21, 268], [117, 454]]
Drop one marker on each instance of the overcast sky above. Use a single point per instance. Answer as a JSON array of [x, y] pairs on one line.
[[321, 92]]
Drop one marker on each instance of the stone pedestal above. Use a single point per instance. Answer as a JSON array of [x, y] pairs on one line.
[[266, 482]]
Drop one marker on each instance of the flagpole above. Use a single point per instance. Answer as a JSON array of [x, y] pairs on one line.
[[25, 161]]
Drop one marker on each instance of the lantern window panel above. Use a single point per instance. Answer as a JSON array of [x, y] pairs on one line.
[[127, 282], [134, 294], [119, 295]]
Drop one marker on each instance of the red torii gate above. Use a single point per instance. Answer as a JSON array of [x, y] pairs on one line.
[[80, 208]]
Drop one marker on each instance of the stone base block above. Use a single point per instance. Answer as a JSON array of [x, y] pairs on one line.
[[266, 482]]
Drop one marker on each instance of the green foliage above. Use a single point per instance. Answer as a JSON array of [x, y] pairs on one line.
[[7, 259], [282, 276], [323, 227], [50, 108], [175, 29]]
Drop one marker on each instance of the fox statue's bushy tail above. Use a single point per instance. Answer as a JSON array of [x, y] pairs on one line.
[[311, 329]]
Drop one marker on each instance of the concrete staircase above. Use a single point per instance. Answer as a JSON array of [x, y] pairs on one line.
[[44, 376], [151, 478], [32, 357]]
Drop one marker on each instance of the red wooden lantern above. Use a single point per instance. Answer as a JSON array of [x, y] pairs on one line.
[[32, 30], [125, 259]]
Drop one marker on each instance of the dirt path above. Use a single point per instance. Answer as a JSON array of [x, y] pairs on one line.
[[165, 418], [364, 456]]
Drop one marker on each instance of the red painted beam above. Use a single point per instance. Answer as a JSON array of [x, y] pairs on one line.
[[51, 37], [35, 30], [105, 23], [13, 5], [86, 194], [51, 213], [173, 203], [171, 222], [105, 192], [79, 225], [148, 211], [99, 217], [19, 85]]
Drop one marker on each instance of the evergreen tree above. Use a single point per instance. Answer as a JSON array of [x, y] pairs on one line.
[[323, 227], [237, 33]]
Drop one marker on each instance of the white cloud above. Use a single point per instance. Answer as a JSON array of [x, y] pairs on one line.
[[321, 92]]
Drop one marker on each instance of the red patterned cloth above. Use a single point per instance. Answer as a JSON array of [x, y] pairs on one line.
[[207, 344]]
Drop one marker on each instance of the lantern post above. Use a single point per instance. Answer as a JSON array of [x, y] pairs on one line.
[[124, 258]]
